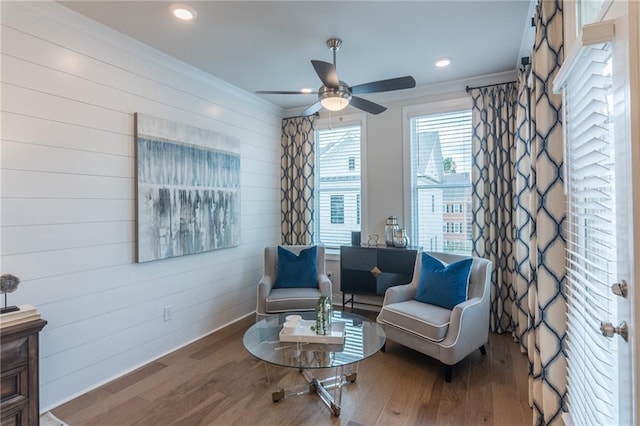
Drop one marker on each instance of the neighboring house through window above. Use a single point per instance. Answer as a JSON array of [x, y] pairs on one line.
[[338, 182], [337, 209], [440, 163]]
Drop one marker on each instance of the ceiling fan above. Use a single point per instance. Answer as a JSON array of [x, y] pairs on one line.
[[336, 95]]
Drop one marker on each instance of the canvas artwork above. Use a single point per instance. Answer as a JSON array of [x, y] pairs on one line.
[[188, 189]]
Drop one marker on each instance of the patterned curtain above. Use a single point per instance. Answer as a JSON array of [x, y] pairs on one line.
[[493, 171], [547, 305], [297, 180], [530, 304], [522, 277]]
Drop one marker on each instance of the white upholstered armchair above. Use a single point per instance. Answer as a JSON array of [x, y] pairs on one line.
[[444, 334], [272, 300]]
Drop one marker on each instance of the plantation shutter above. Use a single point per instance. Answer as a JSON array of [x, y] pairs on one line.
[[592, 377]]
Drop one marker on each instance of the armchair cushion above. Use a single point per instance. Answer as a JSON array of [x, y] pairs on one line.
[[292, 299], [427, 321], [297, 271], [443, 285]]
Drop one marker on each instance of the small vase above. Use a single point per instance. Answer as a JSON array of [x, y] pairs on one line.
[[400, 238], [323, 316], [390, 229]]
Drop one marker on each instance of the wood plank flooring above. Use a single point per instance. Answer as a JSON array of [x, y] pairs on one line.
[[214, 381]]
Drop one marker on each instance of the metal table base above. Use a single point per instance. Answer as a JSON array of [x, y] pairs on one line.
[[322, 387]]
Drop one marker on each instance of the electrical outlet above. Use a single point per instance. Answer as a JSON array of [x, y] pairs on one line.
[[168, 312]]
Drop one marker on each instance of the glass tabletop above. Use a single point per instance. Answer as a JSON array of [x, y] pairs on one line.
[[363, 338]]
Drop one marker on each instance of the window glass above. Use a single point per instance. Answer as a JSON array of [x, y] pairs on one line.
[[337, 209], [441, 181], [588, 11], [338, 166]]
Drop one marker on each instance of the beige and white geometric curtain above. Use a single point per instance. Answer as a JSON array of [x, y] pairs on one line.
[[297, 180], [493, 176], [546, 302], [530, 304]]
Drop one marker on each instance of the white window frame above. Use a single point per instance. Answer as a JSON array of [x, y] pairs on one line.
[[408, 112], [345, 121]]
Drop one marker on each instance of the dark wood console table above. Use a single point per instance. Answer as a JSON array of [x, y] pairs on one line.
[[371, 270], [19, 401]]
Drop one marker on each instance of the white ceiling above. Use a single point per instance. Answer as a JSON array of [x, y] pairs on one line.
[[268, 45]]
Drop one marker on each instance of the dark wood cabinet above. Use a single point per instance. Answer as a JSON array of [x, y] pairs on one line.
[[19, 393], [369, 270]]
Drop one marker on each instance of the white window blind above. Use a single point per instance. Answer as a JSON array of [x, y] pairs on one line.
[[441, 181], [592, 379], [337, 198]]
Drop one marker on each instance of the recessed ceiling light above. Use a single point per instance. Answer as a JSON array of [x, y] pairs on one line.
[[182, 11], [306, 90], [443, 62]]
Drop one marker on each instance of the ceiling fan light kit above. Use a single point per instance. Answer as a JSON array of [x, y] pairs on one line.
[[335, 99], [336, 95]]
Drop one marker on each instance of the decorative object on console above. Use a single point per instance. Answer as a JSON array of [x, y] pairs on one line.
[[355, 238], [400, 239], [323, 316], [188, 189], [390, 230], [373, 240], [23, 313], [8, 284]]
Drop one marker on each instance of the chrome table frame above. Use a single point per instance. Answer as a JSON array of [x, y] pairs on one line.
[[262, 341]]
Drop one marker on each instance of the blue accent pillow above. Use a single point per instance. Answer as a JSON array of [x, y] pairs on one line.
[[297, 271], [441, 285]]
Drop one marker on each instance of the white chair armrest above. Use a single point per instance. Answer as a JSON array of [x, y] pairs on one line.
[[324, 283], [264, 289], [468, 324], [399, 293]]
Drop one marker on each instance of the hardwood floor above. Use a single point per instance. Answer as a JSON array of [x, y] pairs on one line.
[[216, 382]]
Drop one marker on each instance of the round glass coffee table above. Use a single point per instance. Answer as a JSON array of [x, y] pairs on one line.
[[362, 339]]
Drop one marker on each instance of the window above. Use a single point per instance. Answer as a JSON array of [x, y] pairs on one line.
[[337, 209], [352, 163], [337, 198], [440, 152]]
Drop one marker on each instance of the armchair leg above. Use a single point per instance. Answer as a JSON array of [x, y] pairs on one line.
[[483, 350], [448, 370]]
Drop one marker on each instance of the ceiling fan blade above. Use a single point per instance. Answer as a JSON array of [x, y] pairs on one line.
[[312, 109], [366, 105], [327, 73], [284, 92], [406, 82]]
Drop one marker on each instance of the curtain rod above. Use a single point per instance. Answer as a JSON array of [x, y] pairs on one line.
[[316, 114], [468, 89]]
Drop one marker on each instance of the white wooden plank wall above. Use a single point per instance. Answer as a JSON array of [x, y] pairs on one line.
[[69, 91]]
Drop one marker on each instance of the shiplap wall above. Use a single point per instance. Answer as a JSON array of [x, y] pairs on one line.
[[69, 90]]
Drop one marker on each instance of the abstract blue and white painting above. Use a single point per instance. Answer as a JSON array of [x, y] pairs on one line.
[[188, 189]]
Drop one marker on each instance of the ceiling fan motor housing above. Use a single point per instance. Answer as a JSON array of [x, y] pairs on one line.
[[343, 91], [335, 99]]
